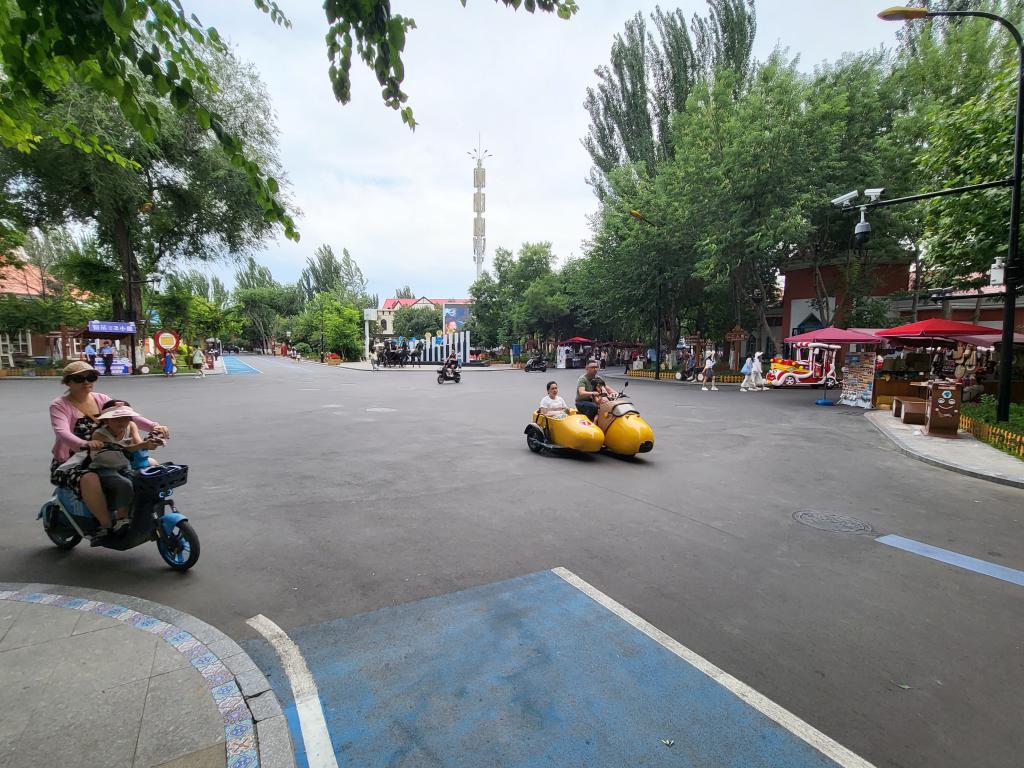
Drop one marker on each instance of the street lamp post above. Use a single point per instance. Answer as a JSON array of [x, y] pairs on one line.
[[1013, 266]]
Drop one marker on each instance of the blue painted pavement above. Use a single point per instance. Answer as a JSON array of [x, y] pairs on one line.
[[234, 365], [955, 558], [521, 673]]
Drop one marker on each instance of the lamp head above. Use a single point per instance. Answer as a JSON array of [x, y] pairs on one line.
[[903, 13]]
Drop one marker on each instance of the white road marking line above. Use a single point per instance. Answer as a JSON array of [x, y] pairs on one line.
[[319, 750], [744, 692]]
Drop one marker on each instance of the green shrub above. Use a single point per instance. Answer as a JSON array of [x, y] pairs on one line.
[[985, 411]]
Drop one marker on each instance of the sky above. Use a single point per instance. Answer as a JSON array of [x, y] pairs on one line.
[[401, 201]]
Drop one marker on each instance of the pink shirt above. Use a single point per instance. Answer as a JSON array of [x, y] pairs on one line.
[[63, 415]]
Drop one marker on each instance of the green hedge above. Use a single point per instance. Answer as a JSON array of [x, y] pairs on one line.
[[986, 411]]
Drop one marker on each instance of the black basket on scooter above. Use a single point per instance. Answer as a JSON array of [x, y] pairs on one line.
[[162, 478]]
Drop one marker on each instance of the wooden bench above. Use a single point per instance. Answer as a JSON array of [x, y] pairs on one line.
[[899, 401], [915, 412]]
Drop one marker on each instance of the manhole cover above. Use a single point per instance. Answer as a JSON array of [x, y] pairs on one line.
[[830, 521], [380, 410]]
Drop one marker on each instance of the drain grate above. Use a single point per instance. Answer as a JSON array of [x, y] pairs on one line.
[[831, 521]]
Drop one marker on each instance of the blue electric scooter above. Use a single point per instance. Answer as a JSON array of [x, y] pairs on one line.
[[154, 517]]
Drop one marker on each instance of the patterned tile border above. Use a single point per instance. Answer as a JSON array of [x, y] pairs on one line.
[[239, 730]]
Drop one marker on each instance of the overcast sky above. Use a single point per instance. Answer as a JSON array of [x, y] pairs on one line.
[[401, 201]]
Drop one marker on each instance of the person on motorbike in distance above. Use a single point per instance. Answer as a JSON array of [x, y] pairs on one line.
[[451, 363], [552, 405], [591, 391]]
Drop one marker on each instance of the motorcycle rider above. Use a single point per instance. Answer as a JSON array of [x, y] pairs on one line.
[[591, 391], [450, 364]]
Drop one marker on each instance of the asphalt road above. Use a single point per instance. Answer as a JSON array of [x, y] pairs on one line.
[[319, 493]]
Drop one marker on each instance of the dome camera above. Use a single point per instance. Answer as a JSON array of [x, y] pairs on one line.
[[862, 233]]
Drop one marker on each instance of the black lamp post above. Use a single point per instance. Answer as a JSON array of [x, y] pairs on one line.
[[1013, 265]]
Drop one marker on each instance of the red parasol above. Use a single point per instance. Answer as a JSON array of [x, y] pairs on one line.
[[832, 335], [577, 340], [935, 327]]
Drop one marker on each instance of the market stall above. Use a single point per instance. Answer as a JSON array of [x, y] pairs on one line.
[[925, 351]]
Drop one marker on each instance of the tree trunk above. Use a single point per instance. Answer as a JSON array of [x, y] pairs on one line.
[[130, 266], [917, 283], [977, 307], [822, 292]]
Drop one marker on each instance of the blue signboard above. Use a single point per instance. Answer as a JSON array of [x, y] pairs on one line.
[[517, 349], [110, 326]]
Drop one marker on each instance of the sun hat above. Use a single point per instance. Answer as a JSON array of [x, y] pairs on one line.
[[75, 368], [120, 412]]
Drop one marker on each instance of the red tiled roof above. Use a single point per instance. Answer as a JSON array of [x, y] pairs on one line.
[[27, 280], [24, 281], [395, 303]]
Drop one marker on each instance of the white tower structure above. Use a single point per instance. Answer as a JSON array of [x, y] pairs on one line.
[[479, 206]]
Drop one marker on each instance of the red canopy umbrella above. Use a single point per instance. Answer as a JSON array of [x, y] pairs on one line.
[[936, 327], [577, 340], [833, 335]]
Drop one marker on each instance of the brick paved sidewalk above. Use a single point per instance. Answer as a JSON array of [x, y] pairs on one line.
[[93, 682]]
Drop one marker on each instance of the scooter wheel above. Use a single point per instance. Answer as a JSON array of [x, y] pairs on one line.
[[62, 539], [440, 379], [183, 551], [458, 377]]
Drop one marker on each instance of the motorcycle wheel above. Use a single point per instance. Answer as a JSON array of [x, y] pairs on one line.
[[185, 545], [533, 440], [458, 377], [61, 539], [440, 378]]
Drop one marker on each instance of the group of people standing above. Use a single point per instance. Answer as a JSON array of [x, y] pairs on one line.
[[106, 354]]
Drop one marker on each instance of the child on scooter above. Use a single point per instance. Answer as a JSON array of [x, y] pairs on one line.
[[139, 459]]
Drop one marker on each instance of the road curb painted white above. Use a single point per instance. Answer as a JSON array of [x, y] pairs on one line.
[[802, 730], [315, 737]]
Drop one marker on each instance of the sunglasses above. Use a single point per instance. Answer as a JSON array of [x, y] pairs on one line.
[[82, 378]]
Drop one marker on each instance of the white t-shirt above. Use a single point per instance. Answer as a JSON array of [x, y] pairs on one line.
[[558, 402]]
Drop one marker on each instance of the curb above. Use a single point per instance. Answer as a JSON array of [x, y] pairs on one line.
[[906, 450], [676, 382], [255, 727]]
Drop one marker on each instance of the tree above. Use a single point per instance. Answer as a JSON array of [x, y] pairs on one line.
[[322, 273], [340, 326], [405, 292], [147, 56], [418, 321], [181, 200], [650, 80]]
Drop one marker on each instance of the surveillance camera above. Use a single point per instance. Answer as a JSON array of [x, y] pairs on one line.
[[862, 233], [874, 194], [844, 199]]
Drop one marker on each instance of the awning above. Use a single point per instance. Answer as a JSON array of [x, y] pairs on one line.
[[936, 327], [832, 335]]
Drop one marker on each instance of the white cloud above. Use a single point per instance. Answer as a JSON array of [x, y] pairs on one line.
[[401, 202]]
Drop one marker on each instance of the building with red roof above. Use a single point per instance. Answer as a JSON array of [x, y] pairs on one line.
[[386, 314]]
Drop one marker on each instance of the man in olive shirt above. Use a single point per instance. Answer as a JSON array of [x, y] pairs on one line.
[[591, 391]]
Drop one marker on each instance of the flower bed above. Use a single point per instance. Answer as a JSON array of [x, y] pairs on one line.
[[980, 420]]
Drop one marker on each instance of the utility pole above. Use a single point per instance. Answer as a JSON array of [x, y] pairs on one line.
[[479, 205]]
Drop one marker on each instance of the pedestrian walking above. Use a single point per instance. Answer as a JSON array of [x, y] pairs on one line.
[[757, 374], [709, 373], [168, 363], [748, 378], [199, 362], [107, 353]]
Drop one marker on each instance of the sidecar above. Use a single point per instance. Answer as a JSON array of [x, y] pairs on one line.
[[574, 432]]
